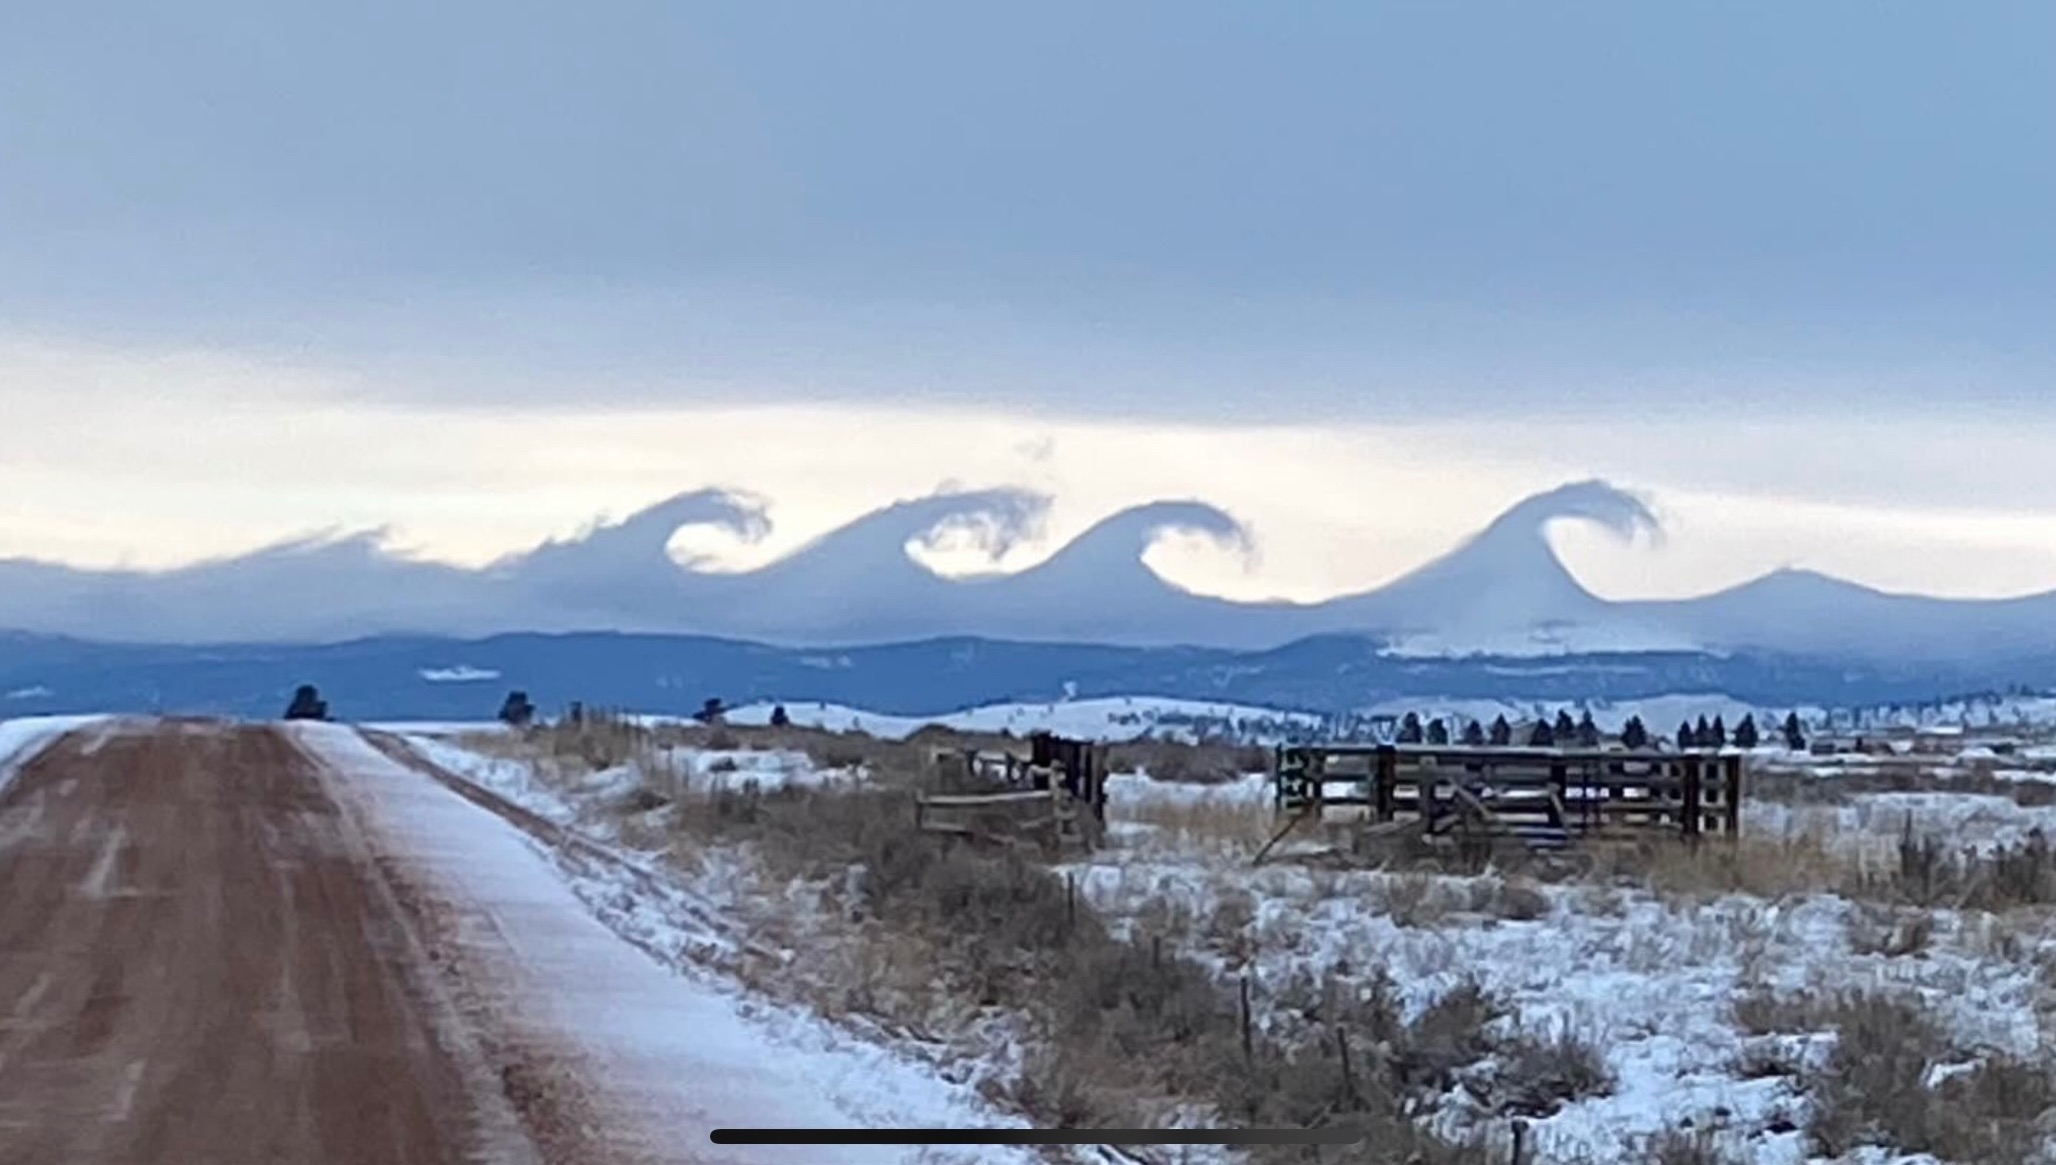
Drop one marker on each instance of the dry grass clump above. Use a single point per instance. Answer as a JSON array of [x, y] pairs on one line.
[[1891, 931], [1783, 786], [1878, 1087], [1206, 763], [1686, 1147], [1204, 823], [1919, 872]]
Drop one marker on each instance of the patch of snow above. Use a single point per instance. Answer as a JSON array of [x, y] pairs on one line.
[[440, 727], [23, 738], [1112, 718], [461, 674], [35, 692]]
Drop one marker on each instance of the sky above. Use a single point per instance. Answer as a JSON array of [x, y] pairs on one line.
[[1363, 274]]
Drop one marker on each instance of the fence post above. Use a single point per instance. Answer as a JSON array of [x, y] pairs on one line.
[[1734, 796], [1692, 775], [1248, 1042], [1520, 1142]]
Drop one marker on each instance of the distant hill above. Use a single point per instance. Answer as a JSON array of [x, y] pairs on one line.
[[433, 678]]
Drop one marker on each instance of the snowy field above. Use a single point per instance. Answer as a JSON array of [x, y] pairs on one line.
[[1653, 978], [1120, 718]]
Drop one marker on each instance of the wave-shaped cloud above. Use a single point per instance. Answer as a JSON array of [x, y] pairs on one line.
[[1502, 590]]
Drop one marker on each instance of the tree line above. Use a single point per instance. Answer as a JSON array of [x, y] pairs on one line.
[[1584, 732]]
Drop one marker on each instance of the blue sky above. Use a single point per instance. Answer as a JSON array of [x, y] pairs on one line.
[[1216, 213]]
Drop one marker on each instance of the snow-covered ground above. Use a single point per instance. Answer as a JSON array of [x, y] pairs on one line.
[[694, 1051], [1112, 718], [1652, 978], [22, 738]]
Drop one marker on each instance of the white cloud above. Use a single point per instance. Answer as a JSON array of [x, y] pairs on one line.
[[108, 458]]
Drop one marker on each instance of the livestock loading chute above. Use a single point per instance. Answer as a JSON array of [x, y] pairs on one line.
[[1541, 798]]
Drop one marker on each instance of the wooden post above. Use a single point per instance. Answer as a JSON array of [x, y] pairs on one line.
[[1388, 782], [1071, 901], [1560, 776], [1734, 795], [1520, 1142], [1691, 797], [1248, 1041]]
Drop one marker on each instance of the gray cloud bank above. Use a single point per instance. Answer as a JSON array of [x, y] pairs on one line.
[[1371, 207]]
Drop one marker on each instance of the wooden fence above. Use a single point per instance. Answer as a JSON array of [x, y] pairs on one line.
[[1054, 797], [1545, 797]]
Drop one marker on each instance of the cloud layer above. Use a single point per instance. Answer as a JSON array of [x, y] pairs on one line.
[[1503, 591]]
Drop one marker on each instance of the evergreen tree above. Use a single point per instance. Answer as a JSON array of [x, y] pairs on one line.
[[1438, 732], [517, 710], [1543, 736], [1473, 734], [1718, 738], [778, 717], [711, 711], [1746, 735], [1686, 739], [1635, 734], [1702, 732], [1588, 731], [1410, 729], [1795, 737], [1502, 732], [1565, 727], [307, 704]]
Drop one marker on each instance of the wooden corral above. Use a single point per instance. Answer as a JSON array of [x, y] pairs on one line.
[[1545, 798], [1055, 796]]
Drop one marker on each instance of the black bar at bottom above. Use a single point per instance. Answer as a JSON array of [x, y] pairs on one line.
[[1333, 1135]]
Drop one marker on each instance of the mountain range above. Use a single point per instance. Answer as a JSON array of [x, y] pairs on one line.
[[423, 678]]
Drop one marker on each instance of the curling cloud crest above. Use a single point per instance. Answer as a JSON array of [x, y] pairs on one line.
[[1502, 591]]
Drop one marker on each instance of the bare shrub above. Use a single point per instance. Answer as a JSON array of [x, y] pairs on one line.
[[598, 740], [1417, 900], [1875, 1088], [1210, 763], [1685, 1147], [1539, 1075], [1449, 1034], [1804, 788], [1513, 899], [1894, 932], [1929, 874], [643, 799], [1767, 1058]]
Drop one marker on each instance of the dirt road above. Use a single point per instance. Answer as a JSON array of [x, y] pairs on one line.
[[200, 964]]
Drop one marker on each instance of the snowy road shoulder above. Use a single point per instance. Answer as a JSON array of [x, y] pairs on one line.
[[21, 740], [679, 1055]]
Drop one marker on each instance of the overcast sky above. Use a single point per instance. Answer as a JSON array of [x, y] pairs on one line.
[[477, 270]]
